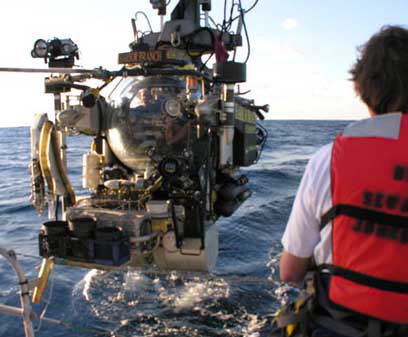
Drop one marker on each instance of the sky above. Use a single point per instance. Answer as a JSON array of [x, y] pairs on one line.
[[301, 50]]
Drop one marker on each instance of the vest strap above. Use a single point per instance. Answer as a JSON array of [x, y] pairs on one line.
[[323, 299], [339, 327], [369, 281], [363, 214]]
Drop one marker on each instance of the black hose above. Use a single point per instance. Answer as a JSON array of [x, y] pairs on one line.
[[175, 223], [56, 207]]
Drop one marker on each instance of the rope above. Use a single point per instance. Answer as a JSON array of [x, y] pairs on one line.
[[47, 301], [206, 275], [30, 256], [81, 329]]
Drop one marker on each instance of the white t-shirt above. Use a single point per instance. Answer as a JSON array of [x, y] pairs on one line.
[[302, 236]]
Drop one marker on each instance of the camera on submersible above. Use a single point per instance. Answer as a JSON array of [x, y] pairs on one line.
[[164, 162]]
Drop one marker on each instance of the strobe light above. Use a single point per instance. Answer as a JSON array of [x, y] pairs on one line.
[[56, 52], [40, 49]]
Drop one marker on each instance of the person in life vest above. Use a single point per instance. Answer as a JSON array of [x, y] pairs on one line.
[[350, 216]]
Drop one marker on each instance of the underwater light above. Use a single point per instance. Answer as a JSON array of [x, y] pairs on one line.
[[173, 108]]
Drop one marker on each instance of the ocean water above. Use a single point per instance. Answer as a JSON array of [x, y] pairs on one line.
[[238, 298]]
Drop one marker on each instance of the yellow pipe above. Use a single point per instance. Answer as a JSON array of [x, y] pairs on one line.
[[43, 275], [61, 167], [44, 139]]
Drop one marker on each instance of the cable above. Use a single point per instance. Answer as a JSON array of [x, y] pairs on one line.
[[155, 271], [262, 145], [246, 31], [48, 301], [252, 7], [30, 256], [205, 63], [168, 3], [231, 20], [225, 12], [147, 19], [224, 22], [245, 11], [231, 13], [216, 25]]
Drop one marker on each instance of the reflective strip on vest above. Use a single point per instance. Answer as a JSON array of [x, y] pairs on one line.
[[369, 176]]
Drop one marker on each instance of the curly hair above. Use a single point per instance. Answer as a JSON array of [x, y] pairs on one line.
[[380, 73]]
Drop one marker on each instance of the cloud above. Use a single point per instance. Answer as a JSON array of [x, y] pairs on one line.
[[297, 85], [290, 24]]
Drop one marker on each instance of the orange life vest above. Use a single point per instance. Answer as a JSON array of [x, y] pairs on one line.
[[369, 181]]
